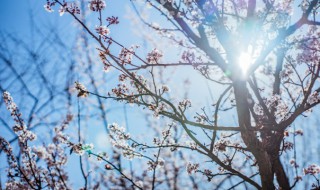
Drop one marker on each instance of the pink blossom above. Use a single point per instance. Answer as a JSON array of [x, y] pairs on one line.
[[97, 5]]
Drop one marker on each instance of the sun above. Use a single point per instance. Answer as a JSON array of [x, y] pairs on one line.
[[245, 60]]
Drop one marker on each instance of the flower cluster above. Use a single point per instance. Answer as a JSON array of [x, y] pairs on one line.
[[281, 106], [192, 168], [221, 145], [48, 6], [154, 56], [121, 90], [287, 145], [103, 30], [153, 165], [119, 139], [19, 128], [13, 170], [82, 90], [80, 149], [184, 104], [201, 118], [112, 20], [312, 169], [191, 144], [157, 109], [27, 170], [314, 98], [188, 56], [97, 5], [103, 58], [165, 88], [125, 55], [71, 7]]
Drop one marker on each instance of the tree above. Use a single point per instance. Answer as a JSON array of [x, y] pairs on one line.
[[263, 62]]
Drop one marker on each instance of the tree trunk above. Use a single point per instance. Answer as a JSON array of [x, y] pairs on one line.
[[265, 170], [280, 174], [249, 137]]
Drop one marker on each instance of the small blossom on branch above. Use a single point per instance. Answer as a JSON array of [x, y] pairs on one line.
[[191, 144], [221, 145], [157, 109], [165, 88], [200, 118], [125, 55], [287, 146], [192, 168], [63, 9], [48, 6], [154, 56], [112, 20], [312, 169], [293, 163], [314, 98], [77, 148], [157, 164], [188, 57], [183, 105], [19, 128], [97, 5], [69, 6], [103, 57], [103, 30], [298, 132], [119, 139], [82, 90]]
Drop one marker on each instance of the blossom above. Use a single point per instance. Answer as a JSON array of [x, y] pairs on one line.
[[82, 90], [314, 98], [119, 139], [154, 56], [103, 30], [312, 169], [48, 6], [63, 9], [207, 172], [165, 88], [77, 148], [184, 104], [97, 5], [139, 183], [188, 56], [41, 152], [298, 132], [287, 146], [125, 55], [112, 20], [191, 144], [192, 168], [293, 163]]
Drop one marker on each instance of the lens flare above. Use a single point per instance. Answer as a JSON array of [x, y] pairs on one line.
[[246, 60]]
